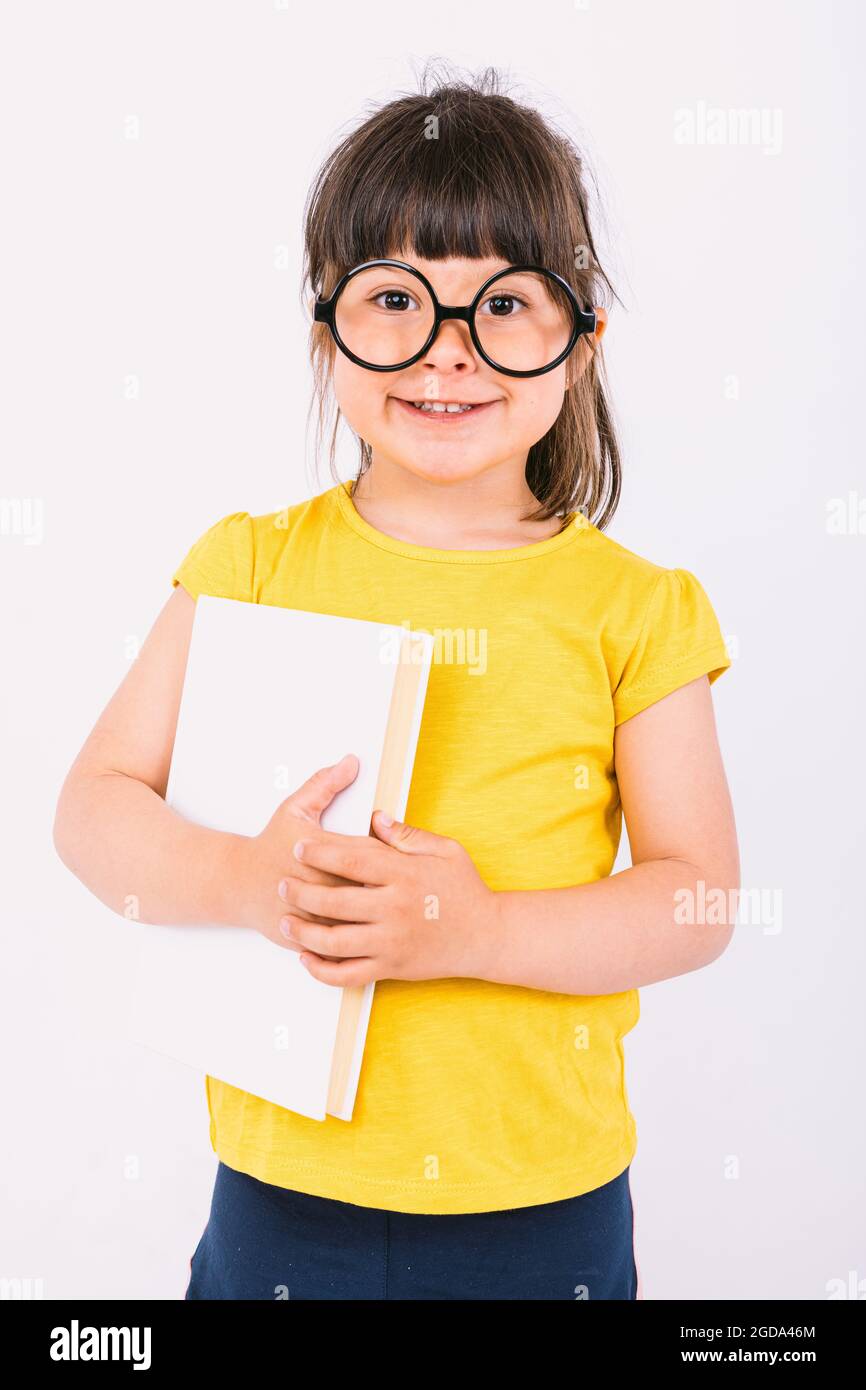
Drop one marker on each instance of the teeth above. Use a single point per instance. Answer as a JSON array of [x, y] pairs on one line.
[[440, 408]]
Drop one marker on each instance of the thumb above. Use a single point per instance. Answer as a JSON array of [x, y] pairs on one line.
[[317, 793], [408, 838]]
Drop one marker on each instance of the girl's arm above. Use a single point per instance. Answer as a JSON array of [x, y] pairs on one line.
[[116, 833], [112, 827], [636, 927], [658, 919]]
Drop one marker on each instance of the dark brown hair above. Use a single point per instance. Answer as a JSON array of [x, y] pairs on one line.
[[495, 179]]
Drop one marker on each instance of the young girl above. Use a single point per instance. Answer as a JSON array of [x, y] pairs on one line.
[[488, 1155]]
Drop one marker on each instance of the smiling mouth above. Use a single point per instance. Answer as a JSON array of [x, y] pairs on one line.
[[444, 411]]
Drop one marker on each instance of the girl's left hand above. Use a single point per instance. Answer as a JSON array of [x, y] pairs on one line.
[[415, 908]]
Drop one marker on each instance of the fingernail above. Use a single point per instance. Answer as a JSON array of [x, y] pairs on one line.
[[298, 849], [385, 819], [283, 888], [285, 926]]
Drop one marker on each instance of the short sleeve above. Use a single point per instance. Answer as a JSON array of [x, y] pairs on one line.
[[680, 639], [221, 560]]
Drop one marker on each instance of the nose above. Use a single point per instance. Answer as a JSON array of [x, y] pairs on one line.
[[451, 349]]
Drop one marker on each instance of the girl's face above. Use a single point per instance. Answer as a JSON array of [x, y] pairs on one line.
[[512, 413]]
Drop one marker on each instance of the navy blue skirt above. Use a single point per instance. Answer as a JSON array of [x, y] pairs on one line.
[[267, 1242]]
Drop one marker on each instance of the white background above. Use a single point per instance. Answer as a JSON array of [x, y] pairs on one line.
[[173, 260]]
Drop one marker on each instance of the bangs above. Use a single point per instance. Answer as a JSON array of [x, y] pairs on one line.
[[447, 176], [419, 202]]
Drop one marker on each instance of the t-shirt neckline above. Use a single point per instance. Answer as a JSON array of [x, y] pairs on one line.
[[575, 525]]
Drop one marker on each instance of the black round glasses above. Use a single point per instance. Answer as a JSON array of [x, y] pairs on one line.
[[524, 320]]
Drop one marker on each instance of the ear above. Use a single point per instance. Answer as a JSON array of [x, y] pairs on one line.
[[586, 347]]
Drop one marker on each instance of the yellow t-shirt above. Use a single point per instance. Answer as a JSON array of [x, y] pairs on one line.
[[476, 1096]]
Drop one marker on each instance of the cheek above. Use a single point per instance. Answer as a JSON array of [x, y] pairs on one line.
[[360, 394], [536, 403]]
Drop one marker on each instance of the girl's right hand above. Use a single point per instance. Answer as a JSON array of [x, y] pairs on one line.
[[267, 857]]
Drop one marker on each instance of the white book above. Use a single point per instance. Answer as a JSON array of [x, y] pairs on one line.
[[270, 695]]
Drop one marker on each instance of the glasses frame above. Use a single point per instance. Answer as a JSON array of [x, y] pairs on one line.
[[324, 311]]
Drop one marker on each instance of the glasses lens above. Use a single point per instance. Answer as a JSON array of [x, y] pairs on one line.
[[524, 321], [384, 315]]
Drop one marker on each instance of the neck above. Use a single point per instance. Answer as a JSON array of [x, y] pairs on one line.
[[480, 513]]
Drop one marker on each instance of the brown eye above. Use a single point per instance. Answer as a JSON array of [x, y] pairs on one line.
[[501, 306], [397, 300]]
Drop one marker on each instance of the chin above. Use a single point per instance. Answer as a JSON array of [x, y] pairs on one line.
[[435, 467]]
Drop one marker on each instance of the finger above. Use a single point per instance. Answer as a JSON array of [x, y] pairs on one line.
[[311, 875], [341, 904], [284, 890], [296, 946], [409, 839], [317, 793], [309, 916], [358, 858], [345, 974], [337, 941]]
